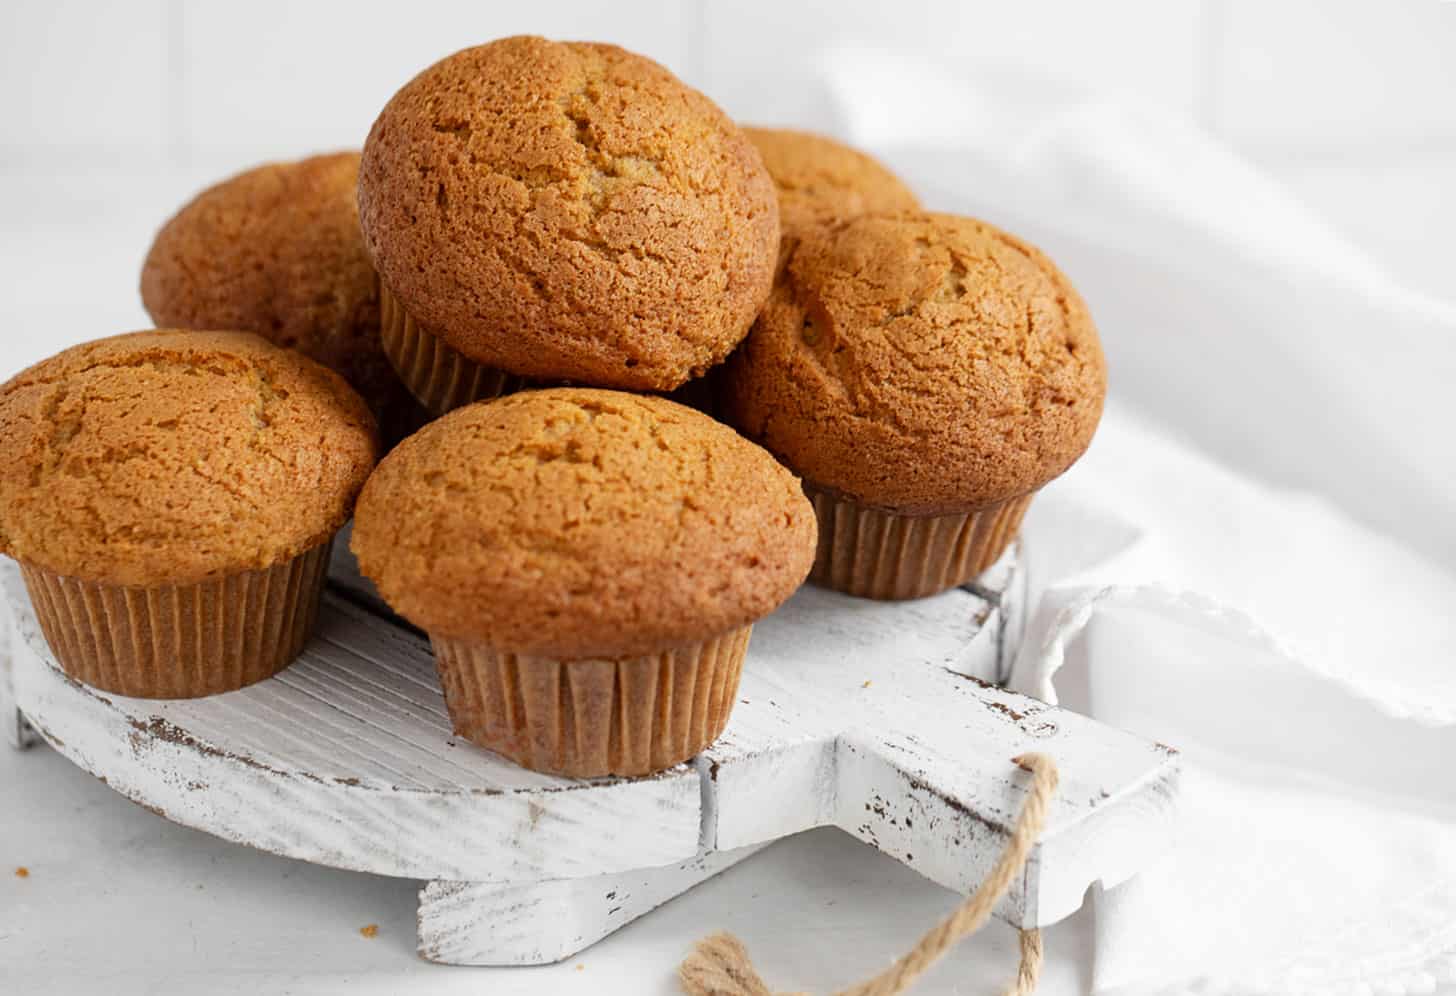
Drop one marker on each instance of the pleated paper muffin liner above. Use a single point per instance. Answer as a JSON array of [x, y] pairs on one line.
[[178, 641], [440, 377], [587, 718], [873, 553]]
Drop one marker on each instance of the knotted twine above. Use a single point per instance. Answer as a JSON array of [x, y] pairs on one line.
[[719, 965]]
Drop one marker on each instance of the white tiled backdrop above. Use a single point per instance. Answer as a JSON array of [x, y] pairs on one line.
[[1351, 103]]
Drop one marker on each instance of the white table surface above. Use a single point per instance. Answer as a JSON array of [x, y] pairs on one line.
[[120, 901]]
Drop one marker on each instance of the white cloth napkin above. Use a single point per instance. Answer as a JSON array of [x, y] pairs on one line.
[[1214, 574], [1303, 665]]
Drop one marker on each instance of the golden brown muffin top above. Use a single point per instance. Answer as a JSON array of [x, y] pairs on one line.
[[277, 250], [573, 522], [921, 363], [820, 180], [171, 456], [569, 211]]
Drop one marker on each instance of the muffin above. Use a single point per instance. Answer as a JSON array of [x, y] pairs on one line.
[[561, 212], [171, 497], [588, 565], [925, 374], [820, 180], [277, 250]]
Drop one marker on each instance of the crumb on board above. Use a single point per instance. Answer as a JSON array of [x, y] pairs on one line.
[[580, 967], [866, 683], [22, 872], [370, 930]]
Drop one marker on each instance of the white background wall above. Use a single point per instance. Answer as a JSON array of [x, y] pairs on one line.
[[1352, 104]]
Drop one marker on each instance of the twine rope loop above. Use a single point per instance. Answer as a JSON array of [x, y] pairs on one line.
[[719, 965]]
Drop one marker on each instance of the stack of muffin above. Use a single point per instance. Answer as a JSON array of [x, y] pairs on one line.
[[542, 245]]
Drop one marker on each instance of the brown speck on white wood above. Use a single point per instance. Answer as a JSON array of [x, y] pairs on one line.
[[880, 718]]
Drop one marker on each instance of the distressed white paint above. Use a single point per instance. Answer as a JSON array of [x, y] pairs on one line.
[[480, 923], [13, 727], [878, 718], [895, 736]]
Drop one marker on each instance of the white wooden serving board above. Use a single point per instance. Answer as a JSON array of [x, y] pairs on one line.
[[879, 718]]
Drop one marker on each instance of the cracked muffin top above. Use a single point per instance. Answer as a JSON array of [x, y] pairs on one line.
[[920, 363], [573, 522], [569, 211], [171, 457], [277, 250], [820, 180]]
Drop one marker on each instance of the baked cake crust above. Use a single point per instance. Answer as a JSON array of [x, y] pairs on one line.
[[569, 211], [277, 250], [573, 522], [920, 363], [174, 456]]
